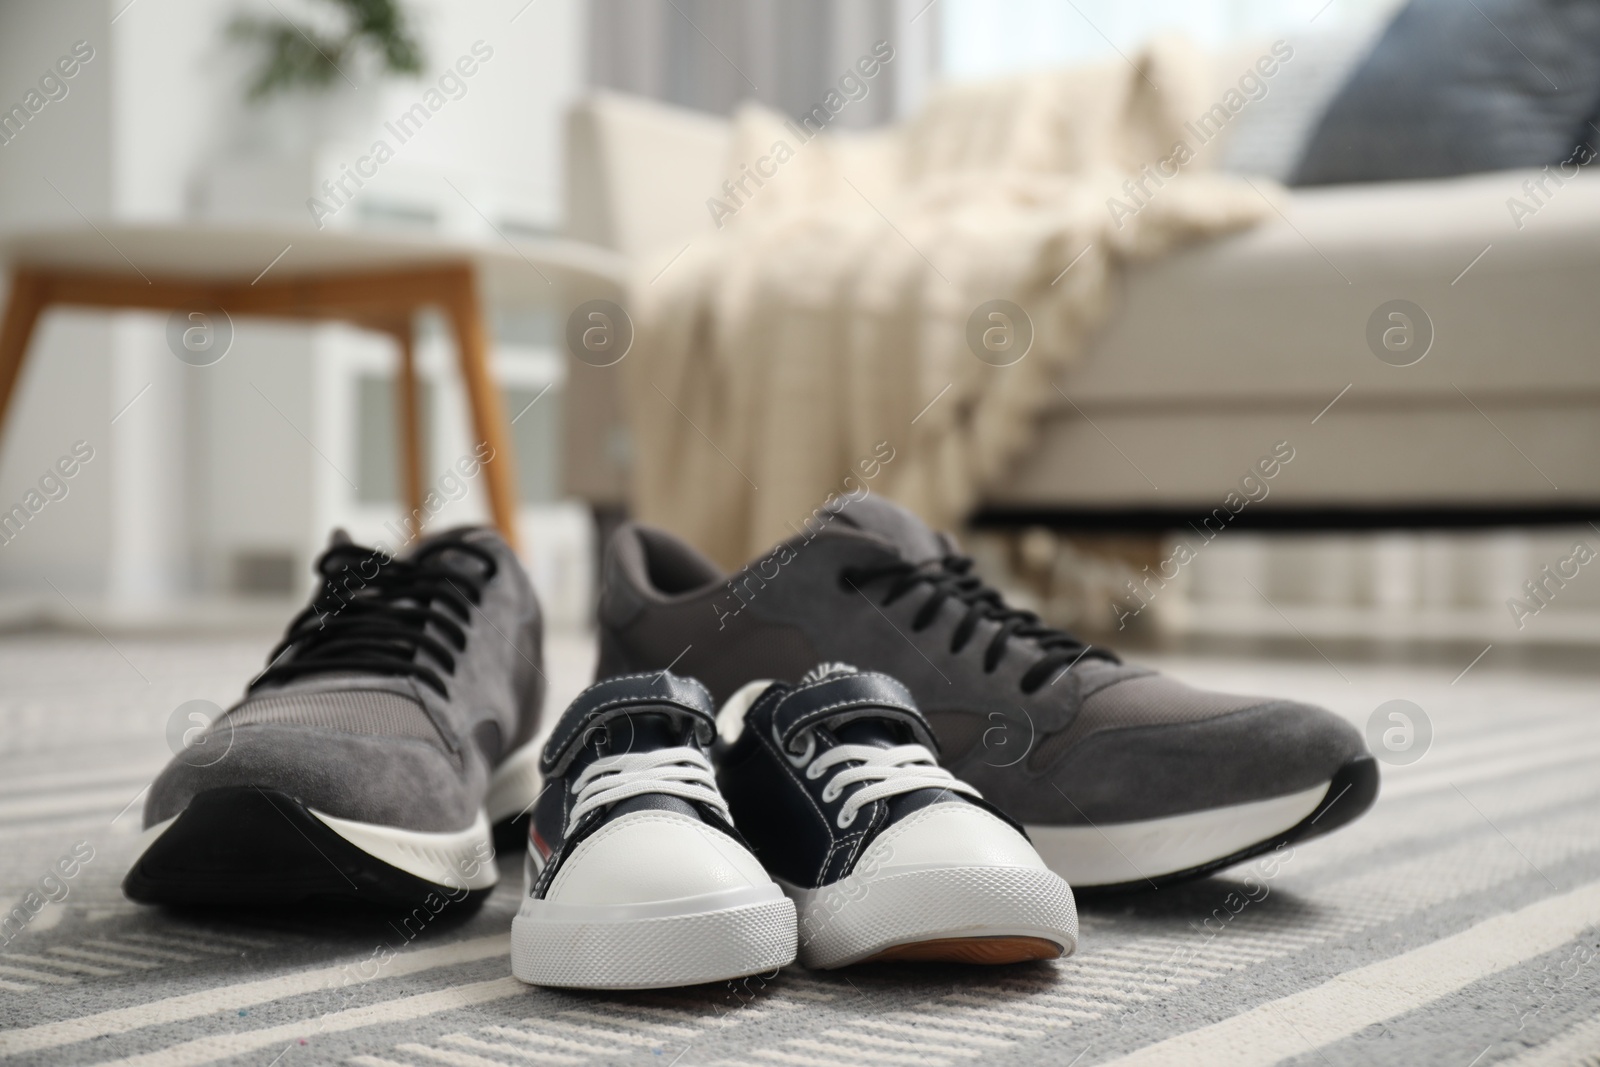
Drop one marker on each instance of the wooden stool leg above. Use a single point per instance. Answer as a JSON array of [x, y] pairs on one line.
[[27, 300], [409, 425], [488, 410]]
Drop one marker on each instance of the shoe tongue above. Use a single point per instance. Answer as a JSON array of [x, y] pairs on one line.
[[893, 524], [882, 733], [878, 732], [642, 731], [438, 547], [645, 732]]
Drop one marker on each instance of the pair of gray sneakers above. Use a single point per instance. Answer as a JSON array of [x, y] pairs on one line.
[[392, 731]]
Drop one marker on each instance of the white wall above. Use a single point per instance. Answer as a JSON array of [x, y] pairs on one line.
[[64, 397], [64, 393], [257, 469], [166, 61], [69, 141]]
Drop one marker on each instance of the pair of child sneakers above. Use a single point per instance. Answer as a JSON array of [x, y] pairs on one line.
[[673, 844]]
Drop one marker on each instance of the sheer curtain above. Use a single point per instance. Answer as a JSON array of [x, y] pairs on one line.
[[984, 38]]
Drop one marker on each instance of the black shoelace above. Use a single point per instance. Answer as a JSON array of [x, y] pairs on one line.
[[379, 625], [950, 578]]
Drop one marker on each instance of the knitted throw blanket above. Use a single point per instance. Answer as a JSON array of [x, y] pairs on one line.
[[829, 322]]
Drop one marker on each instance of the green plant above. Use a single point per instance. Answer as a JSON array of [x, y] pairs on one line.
[[302, 56]]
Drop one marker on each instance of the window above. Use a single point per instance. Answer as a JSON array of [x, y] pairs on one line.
[[985, 39]]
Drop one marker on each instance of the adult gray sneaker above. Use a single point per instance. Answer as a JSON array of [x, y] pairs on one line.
[[369, 761], [1123, 778]]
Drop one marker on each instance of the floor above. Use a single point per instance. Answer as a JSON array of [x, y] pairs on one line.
[[1457, 924]]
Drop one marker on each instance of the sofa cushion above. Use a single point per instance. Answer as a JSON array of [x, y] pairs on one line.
[[1456, 88], [1224, 348]]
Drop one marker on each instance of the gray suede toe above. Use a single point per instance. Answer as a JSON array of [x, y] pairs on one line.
[[1270, 750], [401, 783]]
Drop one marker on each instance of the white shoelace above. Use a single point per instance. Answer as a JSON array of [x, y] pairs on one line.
[[891, 772], [679, 772]]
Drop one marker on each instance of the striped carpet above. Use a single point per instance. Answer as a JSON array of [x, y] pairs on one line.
[[1457, 924]]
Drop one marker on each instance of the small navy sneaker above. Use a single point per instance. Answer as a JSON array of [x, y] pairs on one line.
[[887, 855], [637, 878]]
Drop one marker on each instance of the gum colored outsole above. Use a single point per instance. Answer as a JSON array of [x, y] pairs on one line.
[[248, 847], [983, 950]]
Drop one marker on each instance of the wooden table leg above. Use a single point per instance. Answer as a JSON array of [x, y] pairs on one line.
[[488, 410], [409, 425], [381, 300], [27, 300]]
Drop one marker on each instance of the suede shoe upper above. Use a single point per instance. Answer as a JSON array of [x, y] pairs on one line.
[[1052, 730], [392, 697]]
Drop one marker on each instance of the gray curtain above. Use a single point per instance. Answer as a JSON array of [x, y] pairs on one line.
[[712, 54]]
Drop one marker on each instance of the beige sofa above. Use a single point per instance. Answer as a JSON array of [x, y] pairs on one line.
[[1219, 352]]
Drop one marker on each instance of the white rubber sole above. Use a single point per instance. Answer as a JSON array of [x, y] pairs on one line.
[[1116, 853], [710, 938], [463, 859], [862, 916], [459, 859]]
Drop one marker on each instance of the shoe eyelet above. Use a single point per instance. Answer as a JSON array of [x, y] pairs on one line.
[[813, 772], [796, 759], [843, 822], [830, 793]]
